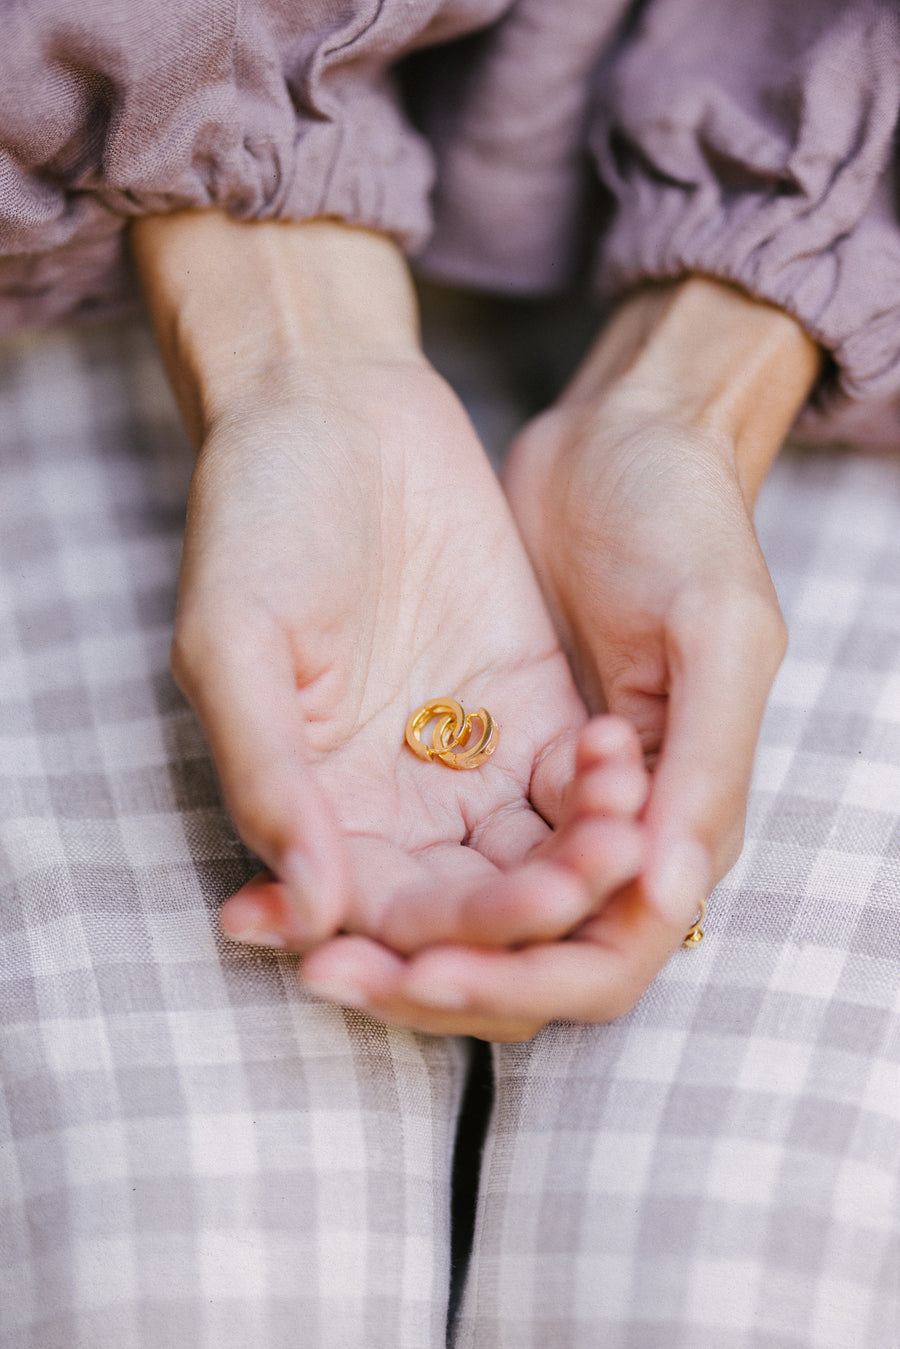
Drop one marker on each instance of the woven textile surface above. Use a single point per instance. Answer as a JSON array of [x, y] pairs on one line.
[[720, 1168], [192, 1152]]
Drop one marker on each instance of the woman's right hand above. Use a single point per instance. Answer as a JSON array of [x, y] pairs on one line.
[[348, 555]]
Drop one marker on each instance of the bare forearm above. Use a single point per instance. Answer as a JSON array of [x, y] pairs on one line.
[[246, 311], [732, 369]]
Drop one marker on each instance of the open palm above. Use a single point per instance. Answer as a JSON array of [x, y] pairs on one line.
[[345, 560]]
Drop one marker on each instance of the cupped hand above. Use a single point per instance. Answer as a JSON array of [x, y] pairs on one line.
[[348, 555], [642, 537], [644, 544], [647, 553], [634, 495]]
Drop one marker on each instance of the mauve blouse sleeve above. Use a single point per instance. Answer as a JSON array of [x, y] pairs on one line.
[[267, 109], [755, 142], [507, 123]]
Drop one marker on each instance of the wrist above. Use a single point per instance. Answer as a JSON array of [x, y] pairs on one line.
[[707, 358], [248, 313]]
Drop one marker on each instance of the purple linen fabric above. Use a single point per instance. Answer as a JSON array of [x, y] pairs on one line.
[[266, 109], [748, 142], [510, 200], [755, 143]]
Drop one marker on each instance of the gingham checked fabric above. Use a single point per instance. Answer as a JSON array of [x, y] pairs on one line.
[[191, 1153], [719, 1169]]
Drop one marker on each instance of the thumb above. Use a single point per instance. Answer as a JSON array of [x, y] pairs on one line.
[[251, 713], [720, 672]]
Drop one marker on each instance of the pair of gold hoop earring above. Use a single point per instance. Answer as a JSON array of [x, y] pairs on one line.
[[452, 744], [451, 736]]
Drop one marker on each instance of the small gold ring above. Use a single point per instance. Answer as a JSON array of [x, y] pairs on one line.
[[451, 734], [694, 934]]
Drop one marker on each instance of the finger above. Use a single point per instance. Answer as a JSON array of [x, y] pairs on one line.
[[261, 913], [599, 771], [567, 881], [596, 977], [553, 774], [606, 739], [248, 706], [572, 981], [504, 994], [509, 833], [612, 789], [603, 740], [357, 972], [382, 873], [535, 902], [721, 672]]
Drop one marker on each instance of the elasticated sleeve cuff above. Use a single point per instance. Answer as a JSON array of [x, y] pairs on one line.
[[754, 143], [271, 109]]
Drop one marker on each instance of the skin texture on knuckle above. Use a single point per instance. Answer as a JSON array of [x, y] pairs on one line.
[[259, 816], [740, 619], [189, 655], [729, 850], [615, 1001]]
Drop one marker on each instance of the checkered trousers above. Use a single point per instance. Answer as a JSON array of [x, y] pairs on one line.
[[719, 1169], [191, 1153]]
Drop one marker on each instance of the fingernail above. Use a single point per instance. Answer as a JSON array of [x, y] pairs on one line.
[[258, 937], [340, 991], [245, 920], [680, 882]]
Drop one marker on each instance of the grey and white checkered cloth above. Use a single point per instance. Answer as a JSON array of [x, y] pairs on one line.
[[721, 1168], [191, 1153]]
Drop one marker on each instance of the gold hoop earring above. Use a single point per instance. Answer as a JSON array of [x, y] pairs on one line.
[[694, 934], [452, 733]]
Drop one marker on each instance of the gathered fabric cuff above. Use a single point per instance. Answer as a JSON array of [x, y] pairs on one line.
[[268, 110], [754, 143]]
